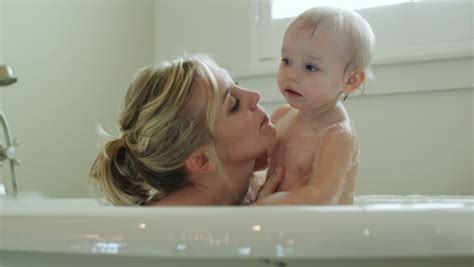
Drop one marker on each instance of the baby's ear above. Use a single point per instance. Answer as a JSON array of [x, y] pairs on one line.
[[354, 80], [199, 162]]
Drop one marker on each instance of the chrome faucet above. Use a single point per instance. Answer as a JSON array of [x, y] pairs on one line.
[[6, 75], [9, 151]]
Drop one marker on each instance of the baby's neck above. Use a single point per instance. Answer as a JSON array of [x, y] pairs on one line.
[[320, 115]]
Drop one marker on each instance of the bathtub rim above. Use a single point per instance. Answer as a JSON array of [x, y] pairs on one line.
[[442, 231]]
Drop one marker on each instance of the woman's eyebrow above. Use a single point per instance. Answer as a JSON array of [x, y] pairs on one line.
[[229, 84], [227, 92]]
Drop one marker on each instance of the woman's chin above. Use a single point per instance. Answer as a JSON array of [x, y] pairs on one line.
[[273, 135]]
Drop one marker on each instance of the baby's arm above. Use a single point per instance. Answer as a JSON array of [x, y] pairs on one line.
[[325, 184], [261, 162], [279, 113]]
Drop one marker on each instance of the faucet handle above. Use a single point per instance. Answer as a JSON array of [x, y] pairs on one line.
[[10, 152], [3, 155]]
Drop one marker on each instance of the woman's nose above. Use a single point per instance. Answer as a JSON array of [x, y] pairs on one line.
[[254, 98]]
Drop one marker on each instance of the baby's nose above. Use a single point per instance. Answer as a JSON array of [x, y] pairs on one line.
[[292, 75]]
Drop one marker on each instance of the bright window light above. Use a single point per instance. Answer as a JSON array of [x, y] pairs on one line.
[[291, 8]]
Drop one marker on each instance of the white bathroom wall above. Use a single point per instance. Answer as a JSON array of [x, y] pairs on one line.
[[1, 50], [74, 60], [217, 27], [415, 124], [1, 89]]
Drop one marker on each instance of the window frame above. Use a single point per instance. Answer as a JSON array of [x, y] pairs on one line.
[[266, 36]]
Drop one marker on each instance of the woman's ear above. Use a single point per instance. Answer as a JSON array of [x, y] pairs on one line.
[[199, 162], [354, 80]]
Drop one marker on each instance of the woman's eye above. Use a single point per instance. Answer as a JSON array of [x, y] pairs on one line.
[[236, 106], [311, 67], [285, 61]]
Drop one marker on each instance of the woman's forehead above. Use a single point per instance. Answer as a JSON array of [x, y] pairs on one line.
[[223, 74], [223, 79]]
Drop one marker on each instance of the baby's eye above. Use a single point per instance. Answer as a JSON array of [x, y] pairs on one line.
[[285, 61], [311, 67]]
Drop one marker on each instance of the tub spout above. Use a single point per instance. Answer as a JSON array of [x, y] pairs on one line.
[[6, 75], [9, 152]]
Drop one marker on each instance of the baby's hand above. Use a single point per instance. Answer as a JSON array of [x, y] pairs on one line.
[[261, 187]]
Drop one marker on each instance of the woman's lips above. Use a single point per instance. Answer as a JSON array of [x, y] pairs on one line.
[[291, 93], [264, 121]]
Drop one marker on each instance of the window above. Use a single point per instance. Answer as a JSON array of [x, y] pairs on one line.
[[405, 31], [290, 8]]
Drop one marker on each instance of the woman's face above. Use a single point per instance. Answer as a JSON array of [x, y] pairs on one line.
[[243, 129]]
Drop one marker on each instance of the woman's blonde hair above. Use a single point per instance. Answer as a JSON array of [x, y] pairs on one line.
[[349, 26], [160, 128]]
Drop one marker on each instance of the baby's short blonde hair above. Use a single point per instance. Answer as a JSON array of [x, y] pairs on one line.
[[351, 27]]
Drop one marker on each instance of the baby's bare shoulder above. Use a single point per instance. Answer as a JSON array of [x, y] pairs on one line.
[[280, 112], [339, 132]]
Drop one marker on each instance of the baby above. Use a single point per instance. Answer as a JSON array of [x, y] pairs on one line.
[[325, 55]]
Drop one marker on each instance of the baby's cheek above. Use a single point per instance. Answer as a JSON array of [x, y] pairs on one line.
[[280, 80]]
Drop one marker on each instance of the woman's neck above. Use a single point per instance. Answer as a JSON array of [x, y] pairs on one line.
[[212, 189]]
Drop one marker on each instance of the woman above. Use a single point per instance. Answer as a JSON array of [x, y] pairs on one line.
[[190, 136]]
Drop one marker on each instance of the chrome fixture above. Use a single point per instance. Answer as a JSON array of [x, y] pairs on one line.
[[9, 151], [6, 75]]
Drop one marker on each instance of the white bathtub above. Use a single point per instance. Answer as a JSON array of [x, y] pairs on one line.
[[377, 231]]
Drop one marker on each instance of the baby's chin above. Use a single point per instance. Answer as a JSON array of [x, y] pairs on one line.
[[297, 106]]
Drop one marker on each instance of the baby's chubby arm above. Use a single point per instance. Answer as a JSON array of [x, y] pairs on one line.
[[332, 164], [261, 163], [279, 113], [325, 184]]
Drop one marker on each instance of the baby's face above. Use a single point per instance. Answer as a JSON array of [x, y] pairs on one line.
[[312, 67]]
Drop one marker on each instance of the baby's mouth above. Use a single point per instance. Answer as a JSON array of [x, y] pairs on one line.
[[292, 93]]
